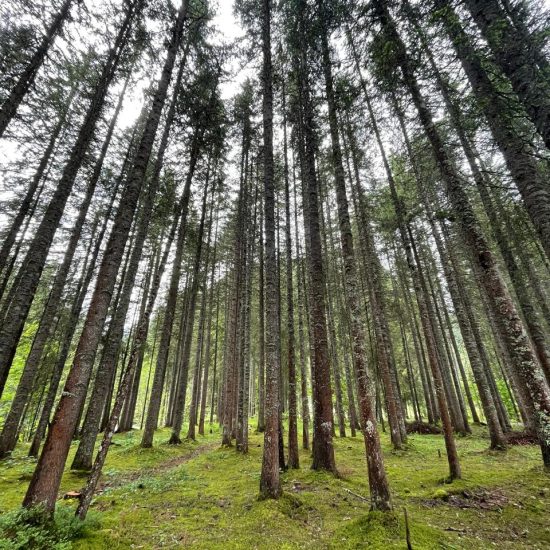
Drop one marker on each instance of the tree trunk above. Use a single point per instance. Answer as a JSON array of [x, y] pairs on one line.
[[200, 356], [153, 410], [181, 388], [261, 326], [37, 253], [293, 457], [71, 326], [509, 321], [27, 77], [47, 476], [269, 480], [323, 449], [378, 483], [207, 353], [301, 336]]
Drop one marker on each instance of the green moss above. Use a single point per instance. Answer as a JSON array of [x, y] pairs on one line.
[[202, 496]]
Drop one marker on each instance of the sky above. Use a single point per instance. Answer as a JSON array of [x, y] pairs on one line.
[[228, 28]]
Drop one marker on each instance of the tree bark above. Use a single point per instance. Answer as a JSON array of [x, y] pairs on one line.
[[28, 76], [47, 476], [269, 480], [37, 253]]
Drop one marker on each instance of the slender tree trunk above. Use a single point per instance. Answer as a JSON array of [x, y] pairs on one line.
[[181, 389], [28, 76], [301, 336], [293, 456], [269, 480], [244, 400], [465, 323], [37, 253], [47, 477], [153, 410], [261, 328], [331, 289], [509, 321], [200, 356], [378, 303], [127, 417], [207, 353], [378, 483]]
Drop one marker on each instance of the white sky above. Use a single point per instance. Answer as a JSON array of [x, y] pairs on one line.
[[228, 28]]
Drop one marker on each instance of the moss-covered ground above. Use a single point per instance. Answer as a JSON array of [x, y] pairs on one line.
[[199, 495]]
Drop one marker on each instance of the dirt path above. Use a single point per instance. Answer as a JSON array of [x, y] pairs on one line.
[[128, 477]]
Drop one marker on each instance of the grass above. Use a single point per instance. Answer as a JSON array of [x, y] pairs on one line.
[[199, 495]]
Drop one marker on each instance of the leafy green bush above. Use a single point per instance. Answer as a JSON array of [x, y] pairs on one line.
[[35, 529]]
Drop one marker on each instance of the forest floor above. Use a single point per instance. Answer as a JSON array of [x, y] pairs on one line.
[[199, 495]]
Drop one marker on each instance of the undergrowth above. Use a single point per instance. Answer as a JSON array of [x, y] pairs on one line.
[[199, 495], [34, 529]]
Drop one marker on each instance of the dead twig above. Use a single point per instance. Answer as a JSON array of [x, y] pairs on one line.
[[356, 495]]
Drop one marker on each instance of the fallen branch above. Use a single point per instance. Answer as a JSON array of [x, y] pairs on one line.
[[357, 495]]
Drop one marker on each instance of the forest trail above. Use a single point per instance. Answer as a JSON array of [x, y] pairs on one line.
[[201, 495], [319, 227], [163, 468]]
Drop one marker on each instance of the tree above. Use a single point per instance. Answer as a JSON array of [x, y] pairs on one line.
[[269, 480], [47, 475]]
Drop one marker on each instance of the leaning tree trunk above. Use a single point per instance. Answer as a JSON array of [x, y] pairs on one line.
[[37, 253], [25, 206], [68, 334], [480, 178], [510, 324], [28, 76], [426, 318], [511, 135], [47, 476], [104, 382], [498, 440], [388, 26], [26, 383]]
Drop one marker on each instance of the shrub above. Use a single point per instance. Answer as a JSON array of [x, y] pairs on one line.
[[35, 529]]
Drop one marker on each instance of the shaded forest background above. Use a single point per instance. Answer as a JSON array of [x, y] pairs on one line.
[[334, 224]]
